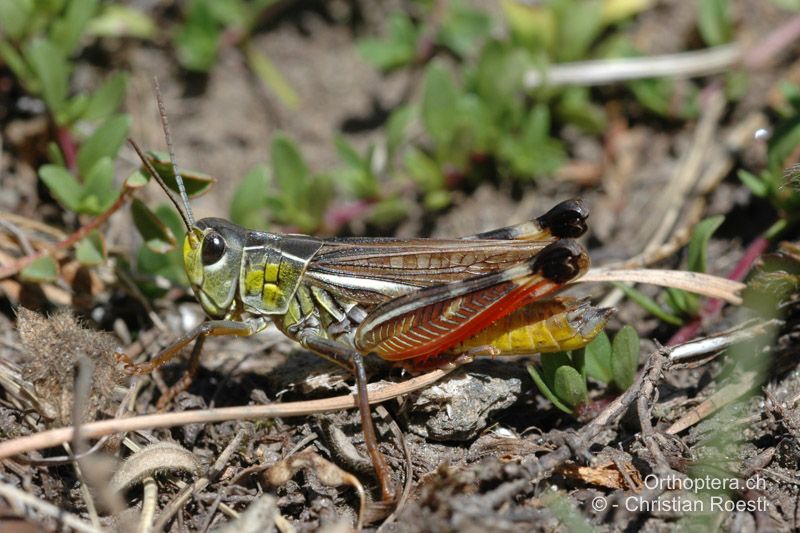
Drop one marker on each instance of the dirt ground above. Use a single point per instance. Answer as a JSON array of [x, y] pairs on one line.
[[481, 449]]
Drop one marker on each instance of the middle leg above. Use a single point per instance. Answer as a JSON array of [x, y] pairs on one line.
[[351, 359]]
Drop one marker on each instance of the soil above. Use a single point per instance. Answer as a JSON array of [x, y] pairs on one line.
[[484, 449]]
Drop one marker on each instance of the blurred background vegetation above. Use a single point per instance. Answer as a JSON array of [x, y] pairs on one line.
[[477, 105]]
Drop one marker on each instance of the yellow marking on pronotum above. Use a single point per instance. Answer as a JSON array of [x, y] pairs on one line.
[[271, 272], [254, 281], [271, 295]]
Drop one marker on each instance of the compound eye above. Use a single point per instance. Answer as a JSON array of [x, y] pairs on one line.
[[213, 248]]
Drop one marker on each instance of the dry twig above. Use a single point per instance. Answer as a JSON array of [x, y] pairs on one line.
[[54, 437]]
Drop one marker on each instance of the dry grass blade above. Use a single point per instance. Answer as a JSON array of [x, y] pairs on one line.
[[695, 282], [151, 460], [684, 353], [54, 437], [69, 520], [599, 72], [714, 403]]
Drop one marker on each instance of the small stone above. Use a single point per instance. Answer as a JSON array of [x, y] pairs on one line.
[[461, 405]]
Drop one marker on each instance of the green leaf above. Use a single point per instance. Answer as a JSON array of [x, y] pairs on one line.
[[271, 77], [68, 29], [463, 29], [91, 251], [98, 189], [698, 246], [137, 179], [784, 141], [54, 154], [551, 363], [318, 197], [477, 132], [598, 358], [618, 10], [423, 170], [654, 94], [537, 126], [714, 21], [231, 12], [288, 168], [156, 234], [792, 5], [122, 21], [579, 361], [18, 66], [49, 64], [570, 386], [107, 99], [195, 183], [682, 302], [388, 211], [358, 176], [439, 100], [659, 96], [535, 153], [499, 77], [579, 25], [397, 50], [42, 270], [437, 200], [104, 142], [347, 153], [756, 185], [545, 390], [533, 24], [15, 18], [73, 109], [648, 304], [791, 93], [197, 41], [169, 265], [62, 185], [625, 357], [396, 127], [248, 204], [575, 106], [385, 55]]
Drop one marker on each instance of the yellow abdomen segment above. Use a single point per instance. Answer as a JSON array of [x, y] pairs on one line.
[[556, 325]]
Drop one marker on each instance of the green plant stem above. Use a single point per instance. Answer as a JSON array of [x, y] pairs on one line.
[[648, 304], [777, 228], [71, 240]]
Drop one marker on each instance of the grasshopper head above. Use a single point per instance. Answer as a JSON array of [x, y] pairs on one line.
[[212, 250], [212, 256]]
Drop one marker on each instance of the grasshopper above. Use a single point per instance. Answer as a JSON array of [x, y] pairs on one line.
[[421, 302]]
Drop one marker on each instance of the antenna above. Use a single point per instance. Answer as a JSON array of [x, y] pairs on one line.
[[149, 166], [189, 217]]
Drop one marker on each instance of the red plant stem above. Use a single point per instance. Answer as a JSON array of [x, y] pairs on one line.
[[68, 149], [712, 307], [770, 49], [70, 240]]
